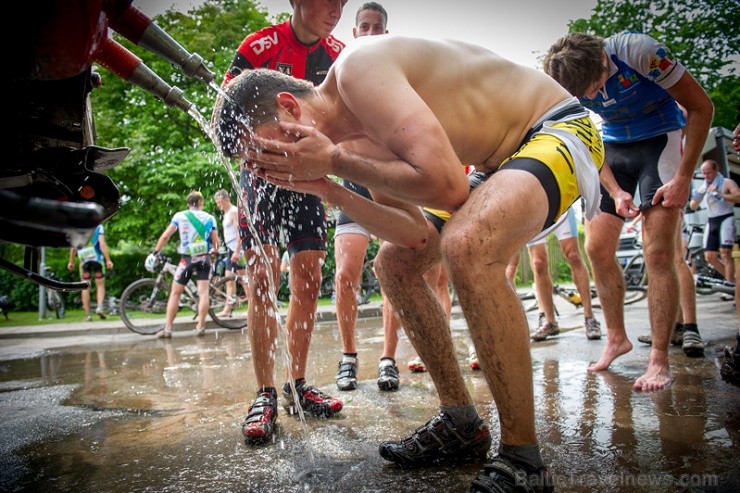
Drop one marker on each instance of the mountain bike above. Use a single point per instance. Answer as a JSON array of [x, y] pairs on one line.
[[143, 304], [369, 284], [229, 310], [632, 294]]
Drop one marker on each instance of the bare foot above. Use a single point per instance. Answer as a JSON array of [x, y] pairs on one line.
[[612, 351], [655, 378]]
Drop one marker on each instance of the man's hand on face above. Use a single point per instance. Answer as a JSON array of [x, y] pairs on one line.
[[319, 187], [298, 153]]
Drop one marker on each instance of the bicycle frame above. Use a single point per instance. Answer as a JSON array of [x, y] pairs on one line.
[[190, 291]]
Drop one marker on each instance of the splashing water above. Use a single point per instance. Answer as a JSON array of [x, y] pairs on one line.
[[272, 290]]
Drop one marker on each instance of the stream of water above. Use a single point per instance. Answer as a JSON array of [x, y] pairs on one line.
[[262, 254]]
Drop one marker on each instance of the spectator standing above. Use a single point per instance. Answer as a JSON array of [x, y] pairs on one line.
[[351, 242], [567, 234], [198, 240], [91, 259], [301, 47], [235, 264], [635, 84], [719, 233]]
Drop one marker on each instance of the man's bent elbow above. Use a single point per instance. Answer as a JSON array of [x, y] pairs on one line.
[[418, 243], [454, 200], [414, 238]]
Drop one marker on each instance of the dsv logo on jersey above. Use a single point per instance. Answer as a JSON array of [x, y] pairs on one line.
[[334, 44], [262, 44]]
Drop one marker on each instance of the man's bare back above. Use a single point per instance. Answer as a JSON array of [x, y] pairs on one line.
[[485, 103]]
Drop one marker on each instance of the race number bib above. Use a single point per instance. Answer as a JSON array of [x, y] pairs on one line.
[[87, 254], [197, 248]]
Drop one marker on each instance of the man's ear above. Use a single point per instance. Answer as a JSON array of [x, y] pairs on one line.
[[289, 103]]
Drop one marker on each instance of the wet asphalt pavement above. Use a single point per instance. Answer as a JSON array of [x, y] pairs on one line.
[[96, 408]]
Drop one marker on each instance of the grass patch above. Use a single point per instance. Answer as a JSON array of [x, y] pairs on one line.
[[73, 315]]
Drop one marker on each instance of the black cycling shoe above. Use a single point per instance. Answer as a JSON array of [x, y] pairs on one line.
[[388, 377], [312, 401], [260, 421], [507, 476], [440, 441], [347, 375]]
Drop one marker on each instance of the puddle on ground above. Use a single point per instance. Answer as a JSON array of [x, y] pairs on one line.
[[165, 416]]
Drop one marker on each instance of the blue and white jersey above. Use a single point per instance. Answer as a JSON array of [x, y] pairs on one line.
[[191, 241], [91, 252], [634, 103]]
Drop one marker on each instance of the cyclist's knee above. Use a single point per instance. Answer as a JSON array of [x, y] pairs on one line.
[[539, 265], [345, 277]]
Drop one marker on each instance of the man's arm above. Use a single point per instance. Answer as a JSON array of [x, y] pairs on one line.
[[71, 263], [731, 191], [165, 237], [623, 201], [391, 220], [699, 112], [104, 251], [214, 240]]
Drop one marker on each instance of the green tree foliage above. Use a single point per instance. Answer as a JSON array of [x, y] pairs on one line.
[[170, 153], [703, 34]]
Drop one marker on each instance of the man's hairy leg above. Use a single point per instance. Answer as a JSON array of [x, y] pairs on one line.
[[500, 216], [572, 253], [602, 237], [659, 225], [401, 273], [349, 254], [261, 321], [305, 282]]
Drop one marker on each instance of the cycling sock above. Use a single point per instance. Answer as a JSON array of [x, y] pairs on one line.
[[271, 390], [527, 455], [690, 327], [298, 382], [386, 362], [349, 358], [460, 415]]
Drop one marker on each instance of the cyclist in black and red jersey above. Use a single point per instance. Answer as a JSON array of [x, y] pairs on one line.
[[303, 48]]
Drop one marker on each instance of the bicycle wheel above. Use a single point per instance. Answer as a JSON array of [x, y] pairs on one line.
[[55, 302], [228, 311], [634, 271], [368, 284], [703, 269], [633, 294], [143, 306]]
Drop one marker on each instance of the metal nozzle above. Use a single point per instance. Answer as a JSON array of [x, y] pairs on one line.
[[130, 68]]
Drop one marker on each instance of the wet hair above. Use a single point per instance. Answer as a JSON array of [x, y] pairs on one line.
[[250, 101], [195, 198], [575, 61], [222, 194], [372, 6]]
